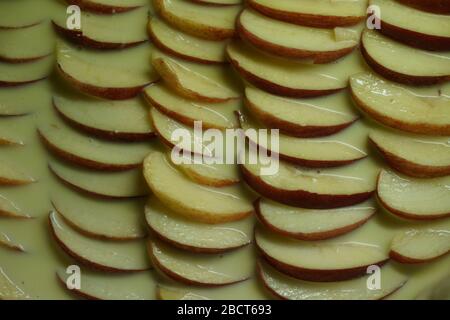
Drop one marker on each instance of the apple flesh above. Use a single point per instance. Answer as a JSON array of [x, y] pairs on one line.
[[12, 74], [307, 224], [9, 209], [413, 198], [98, 254], [10, 175], [7, 242], [193, 236], [10, 289], [108, 6]]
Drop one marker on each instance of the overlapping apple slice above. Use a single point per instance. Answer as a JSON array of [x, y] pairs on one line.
[[293, 41], [212, 115], [11, 174], [10, 210], [108, 6], [102, 31], [105, 286], [27, 17], [311, 188], [399, 107], [287, 288], [321, 262], [125, 184], [113, 219], [419, 246], [103, 255], [201, 269], [81, 149], [12, 74], [218, 2], [185, 46], [10, 289], [309, 224], [387, 57], [413, 198], [9, 135], [21, 100], [434, 6], [116, 120], [7, 242], [104, 74], [207, 22], [321, 14], [200, 203], [414, 155], [336, 150], [196, 81], [321, 116], [292, 78], [413, 27], [194, 236], [26, 44]]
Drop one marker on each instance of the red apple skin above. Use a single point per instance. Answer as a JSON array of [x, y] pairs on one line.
[[5, 84], [400, 77], [292, 129], [317, 275], [277, 89], [291, 53], [75, 291], [394, 255], [415, 39], [307, 236], [409, 168], [22, 60], [99, 8], [106, 93], [174, 276], [207, 3], [104, 134], [301, 198], [310, 20], [433, 6], [77, 37]]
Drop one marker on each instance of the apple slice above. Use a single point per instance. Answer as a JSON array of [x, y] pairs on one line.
[[116, 120], [12, 74], [321, 14], [9, 135], [21, 100], [10, 244], [207, 22], [387, 57], [200, 203], [28, 16], [304, 118], [196, 81], [292, 41], [102, 31], [103, 255], [287, 288], [413, 27], [104, 74], [194, 236], [10, 175], [105, 286], [10, 210], [292, 78], [125, 184], [218, 2], [310, 224], [86, 151], [321, 262], [113, 219], [413, 155], [314, 189], [185, 46], [201, 269], [434, 6], [26, 44], [212, 115], [399, 107], [10, 289], [108, 6], [336, 150], [419, 246], [413, 198]]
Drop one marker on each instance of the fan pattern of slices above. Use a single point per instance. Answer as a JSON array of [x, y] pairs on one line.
[[143, 226]]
